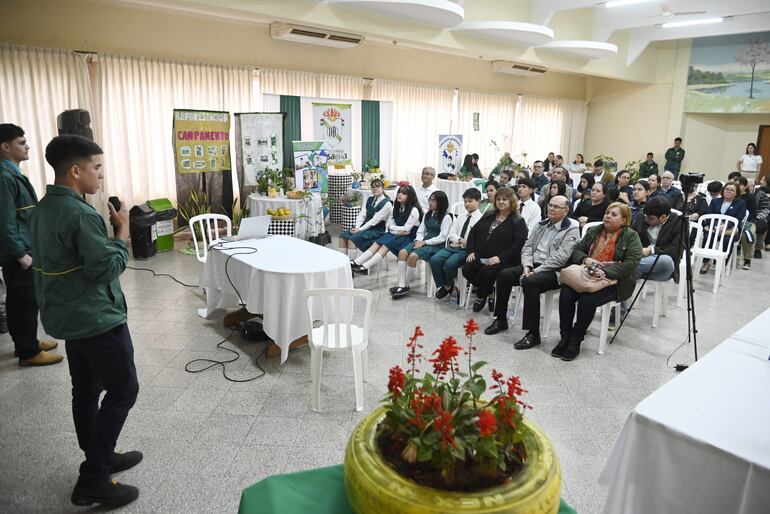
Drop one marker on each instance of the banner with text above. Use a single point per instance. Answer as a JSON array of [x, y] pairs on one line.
[[201, 141], [450, 158], [310, 161], [260, 143], [333, 126]]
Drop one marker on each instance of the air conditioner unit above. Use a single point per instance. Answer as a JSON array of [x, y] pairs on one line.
[[314, 36], [515, 68]]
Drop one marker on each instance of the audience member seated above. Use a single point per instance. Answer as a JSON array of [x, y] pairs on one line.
[[749, 230], [445, 263], [671, 193], [622, 183], [592, 208], [427, 188], [729, 205], [505, 178], [371, 220], [547, 250], [714, 190], [490, 188], [660, 232], [493, 244], [538, 175], [469, 168], [601, 174], [695, 205], [641, 193], [430, 238], [400, 230], [522, 174], [577, 166], [615, 250], [553, 189], [476, 171], [654, 182], [584, 186], [559, 174], [733, 176], [549, 161], [763, 213], [613, 195], [528, 208]]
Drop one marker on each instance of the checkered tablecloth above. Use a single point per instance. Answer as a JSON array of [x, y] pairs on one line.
[[281, 228], [349, 215]]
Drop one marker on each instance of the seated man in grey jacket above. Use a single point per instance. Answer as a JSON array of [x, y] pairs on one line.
[[547, 250]]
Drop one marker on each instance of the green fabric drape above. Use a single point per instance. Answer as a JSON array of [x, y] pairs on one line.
[[293, 128], [370, 132]]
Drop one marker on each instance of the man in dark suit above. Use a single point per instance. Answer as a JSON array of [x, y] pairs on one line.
[[660, 232]]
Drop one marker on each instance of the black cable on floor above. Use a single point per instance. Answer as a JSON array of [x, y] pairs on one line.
[[162, 275]]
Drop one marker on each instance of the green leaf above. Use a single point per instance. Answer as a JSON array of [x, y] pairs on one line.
[[431, 438], [478, 365], [424, 454]]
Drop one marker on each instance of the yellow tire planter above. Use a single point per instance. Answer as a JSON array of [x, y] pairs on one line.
[[373, 487]]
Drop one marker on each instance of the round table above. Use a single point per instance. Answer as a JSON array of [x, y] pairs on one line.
[[454, 189], [309, 219]]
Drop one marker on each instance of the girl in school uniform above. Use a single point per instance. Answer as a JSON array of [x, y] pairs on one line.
[[370, 224], [400, 230], [431, 237]]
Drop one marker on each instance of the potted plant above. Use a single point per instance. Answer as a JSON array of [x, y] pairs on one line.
[[195, 205], [610, 164], [633, 168], [437, 446], [356, 180], [239, 211]]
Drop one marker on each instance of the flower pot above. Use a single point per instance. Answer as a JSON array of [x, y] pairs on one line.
[[355, 185], [373, 486]]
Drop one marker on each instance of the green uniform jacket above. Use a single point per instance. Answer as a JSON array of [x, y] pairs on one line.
[[628, 253], [17, 202], [674, 159], [77, 267], [645, 169]]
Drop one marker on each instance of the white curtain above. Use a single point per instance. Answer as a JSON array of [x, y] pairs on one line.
[[497, 112], [549, 125], [36, 84], [317, 85], [138, 96], [420, 113], [573, 128]]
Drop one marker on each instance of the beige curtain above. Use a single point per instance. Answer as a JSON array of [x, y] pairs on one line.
[[307, 84], [497, 112], [36, 84]]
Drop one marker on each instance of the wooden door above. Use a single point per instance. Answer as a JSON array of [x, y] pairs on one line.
[[763, 148]]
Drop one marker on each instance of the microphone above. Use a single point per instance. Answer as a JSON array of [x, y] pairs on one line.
[[115, 201]]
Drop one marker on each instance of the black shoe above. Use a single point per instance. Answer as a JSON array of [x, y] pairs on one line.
[[757, 254], [491, 303], [498, 325], [479, 304], [442, 292], [109, 494], [393, 289], [123, 461], [400, 292], [360, 270], [573, 349], [559, 348], [530, 340]]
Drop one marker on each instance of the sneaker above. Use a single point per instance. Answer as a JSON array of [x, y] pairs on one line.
[[746, 264], [110, 494], [393, 289], [442, 292], [400, 292]]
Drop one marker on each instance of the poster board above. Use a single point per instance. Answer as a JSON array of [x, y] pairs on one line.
[[450, 158], [310, 166], [201, 141], [333, 127], [259, 143]]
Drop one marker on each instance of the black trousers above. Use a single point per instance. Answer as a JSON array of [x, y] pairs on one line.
[[482, 276], [532, 287], [586, 303], [21, 309], [101, 363]]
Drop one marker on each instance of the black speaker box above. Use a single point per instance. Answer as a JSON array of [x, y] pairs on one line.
[[75, 121]]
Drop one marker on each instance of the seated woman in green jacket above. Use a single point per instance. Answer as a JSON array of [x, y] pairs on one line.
[[616, 250]]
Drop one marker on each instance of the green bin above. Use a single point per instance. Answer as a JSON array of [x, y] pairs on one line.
[[164, 224]]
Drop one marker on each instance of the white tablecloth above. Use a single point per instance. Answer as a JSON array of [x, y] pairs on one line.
[[701, 443], [308, 213], [454, 189], [272, 280]]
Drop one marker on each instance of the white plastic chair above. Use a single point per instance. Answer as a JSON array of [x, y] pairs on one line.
[[677, 184], [457, 208], [587, 226], [209, 225], [677, 212], [338, 333], [697, 229], [714, 236], [736, 244], [606, 308]]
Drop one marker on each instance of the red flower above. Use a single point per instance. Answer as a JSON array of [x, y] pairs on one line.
[[396, 381], [445, 354], [471, 328], [514, 387], [487, 423], [443, 424], [506, 409], [413, 358]]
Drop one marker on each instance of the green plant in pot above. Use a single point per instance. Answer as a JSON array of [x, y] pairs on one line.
[[438, 446], [195, 205], [240, 211]]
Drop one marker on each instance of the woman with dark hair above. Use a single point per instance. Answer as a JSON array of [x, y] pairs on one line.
[[728, 205], [494, 243], [751, 162], [430, 238], [654, 182], [549, 161], [613, 251], [695, 205], [587, 181], [491, 187], [370, 223], [593, 207], [641, 193], [400, 230], [469, 169], [577, 166], [557, 187], [622, 183]]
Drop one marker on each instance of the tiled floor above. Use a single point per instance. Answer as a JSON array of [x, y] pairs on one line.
[[205, 439]]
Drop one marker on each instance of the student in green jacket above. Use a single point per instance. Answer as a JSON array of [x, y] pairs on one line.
[[77, 271], [648, 167], [17, 203], [674, 158]]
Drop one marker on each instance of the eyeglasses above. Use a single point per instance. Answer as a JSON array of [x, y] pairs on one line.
[[554, 206]]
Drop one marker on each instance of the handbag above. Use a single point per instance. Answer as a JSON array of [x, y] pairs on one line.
[[576, 276]]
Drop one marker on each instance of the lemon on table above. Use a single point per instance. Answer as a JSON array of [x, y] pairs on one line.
[[270, 212]]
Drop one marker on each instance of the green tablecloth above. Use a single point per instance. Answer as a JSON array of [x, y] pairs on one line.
[[319, 491]]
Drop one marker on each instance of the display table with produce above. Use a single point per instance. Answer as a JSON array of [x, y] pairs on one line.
[[307, 212]]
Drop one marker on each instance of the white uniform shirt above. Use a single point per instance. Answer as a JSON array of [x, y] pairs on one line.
[[423, 195], [751, 163]]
